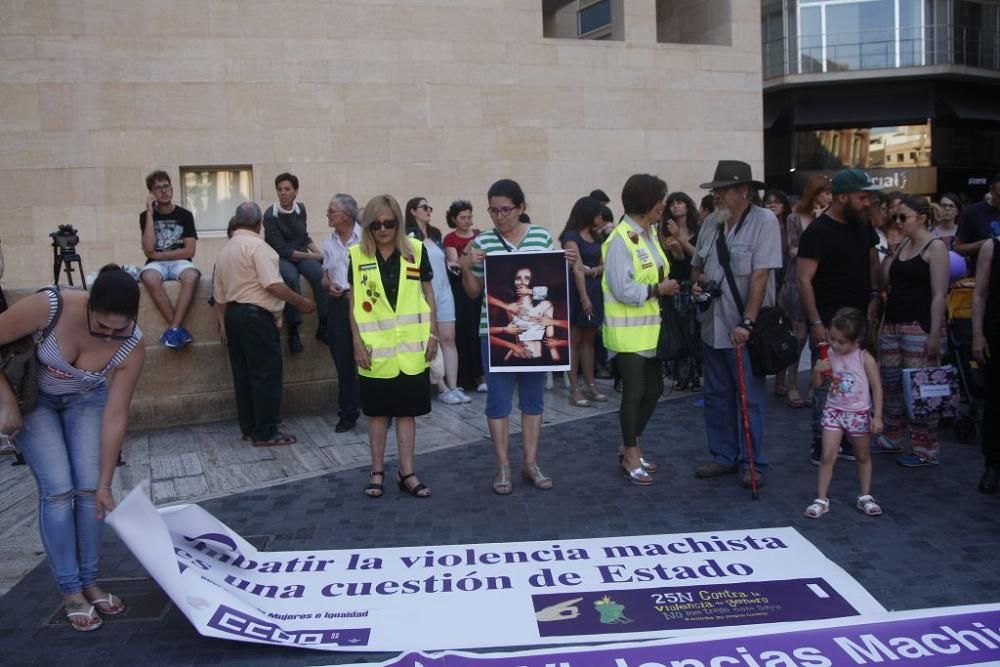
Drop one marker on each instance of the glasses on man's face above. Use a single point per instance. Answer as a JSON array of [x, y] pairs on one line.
[[163, 187], [501, 211], [427, 207], [379, 225], [124, 333]]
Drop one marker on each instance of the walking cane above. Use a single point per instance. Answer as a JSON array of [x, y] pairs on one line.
[[746, 423]]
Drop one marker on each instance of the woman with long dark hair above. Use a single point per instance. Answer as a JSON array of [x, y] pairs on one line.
[[456, 244], [678, 236], [586, 304], [72, 437], [418, 226]]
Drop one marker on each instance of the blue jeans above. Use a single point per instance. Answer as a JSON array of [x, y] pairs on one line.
[[723, 411], [313, 272], [500, 389], [61, 441]]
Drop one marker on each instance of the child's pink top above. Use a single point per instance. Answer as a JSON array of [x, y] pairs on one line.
[[849, 386]]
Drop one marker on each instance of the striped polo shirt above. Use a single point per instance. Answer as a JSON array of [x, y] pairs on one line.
[[537, 239]]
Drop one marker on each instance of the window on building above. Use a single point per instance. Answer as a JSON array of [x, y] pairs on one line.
[[583, 19], [869, 148], [213, 193], [694, 21]]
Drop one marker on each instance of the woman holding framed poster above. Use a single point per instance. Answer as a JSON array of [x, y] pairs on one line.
[[510, 236], [635, 277]]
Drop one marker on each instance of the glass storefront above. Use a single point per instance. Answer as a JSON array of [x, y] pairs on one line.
[[817, 36], [870, 148]]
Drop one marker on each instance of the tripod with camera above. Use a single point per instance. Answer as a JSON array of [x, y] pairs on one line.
[[64, 255]]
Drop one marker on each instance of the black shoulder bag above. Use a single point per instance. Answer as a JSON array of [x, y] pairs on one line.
[[772, 346], [19, 364]]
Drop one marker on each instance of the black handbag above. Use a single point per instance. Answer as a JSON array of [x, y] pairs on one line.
[[19, 363], [772, 346], [674, 342]]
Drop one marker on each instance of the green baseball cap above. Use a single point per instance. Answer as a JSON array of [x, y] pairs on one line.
[[846, 181]]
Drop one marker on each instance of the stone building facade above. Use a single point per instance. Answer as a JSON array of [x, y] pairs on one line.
[[413, 97]]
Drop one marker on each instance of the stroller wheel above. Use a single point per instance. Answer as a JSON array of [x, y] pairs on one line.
[[965, 429]]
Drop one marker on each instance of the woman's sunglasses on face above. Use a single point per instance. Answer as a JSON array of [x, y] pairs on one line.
[[124, 333], [378, 225]]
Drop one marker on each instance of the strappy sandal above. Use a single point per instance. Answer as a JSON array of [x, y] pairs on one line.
[[647, 465], [590, 391], [534, 476], [501, 482], [376, 488], [415, 491], [868, 506], [819, 507], [115, 605], [638, 476], [90, 614], [578, 401]]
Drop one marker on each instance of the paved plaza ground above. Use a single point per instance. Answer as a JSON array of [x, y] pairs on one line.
[[936, 545]]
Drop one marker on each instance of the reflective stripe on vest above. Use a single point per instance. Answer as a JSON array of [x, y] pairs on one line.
[[629, 328], [396, 339]]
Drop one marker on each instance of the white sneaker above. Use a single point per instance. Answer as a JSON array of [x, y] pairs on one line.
[[458, 391], [448, 397], [565, 377], [548, 382], [481, 388]]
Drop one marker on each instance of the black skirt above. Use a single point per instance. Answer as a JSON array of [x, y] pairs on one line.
[[401, 396]]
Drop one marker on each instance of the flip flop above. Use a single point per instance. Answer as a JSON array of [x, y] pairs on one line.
[[115, 605], [276, 441], [91, 614]]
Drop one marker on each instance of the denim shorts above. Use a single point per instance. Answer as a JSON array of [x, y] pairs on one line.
[[500, 389], [171, 270]]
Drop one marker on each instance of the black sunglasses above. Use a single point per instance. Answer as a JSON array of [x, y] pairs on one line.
[[388, 224], [116, 334], [899, 217]]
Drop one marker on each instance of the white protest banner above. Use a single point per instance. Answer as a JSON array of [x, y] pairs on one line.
[[483, 595], [946, 637]]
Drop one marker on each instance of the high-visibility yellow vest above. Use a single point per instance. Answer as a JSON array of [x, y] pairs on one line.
[[629, 328], [396, 339]]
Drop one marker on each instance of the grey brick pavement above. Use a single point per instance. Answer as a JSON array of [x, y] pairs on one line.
[[936, 545]]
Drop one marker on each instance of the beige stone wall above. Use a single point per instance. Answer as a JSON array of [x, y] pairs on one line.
[[430, 97]]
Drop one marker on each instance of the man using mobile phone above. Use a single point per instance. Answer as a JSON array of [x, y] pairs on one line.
[[169, 245]]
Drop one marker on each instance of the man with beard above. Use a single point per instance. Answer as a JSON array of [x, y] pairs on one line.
[[753, 239], [837, 268]]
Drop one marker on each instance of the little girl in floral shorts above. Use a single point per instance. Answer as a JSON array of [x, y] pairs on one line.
[[855, 388]]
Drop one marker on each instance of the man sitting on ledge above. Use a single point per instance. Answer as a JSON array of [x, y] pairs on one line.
[[169, 245]]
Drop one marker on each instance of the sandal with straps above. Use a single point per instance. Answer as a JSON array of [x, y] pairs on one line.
[[534, 476], [819, 507], [868, 506], [376, 489], [91, 614], [114, 605], [501, 482], [415, 491]]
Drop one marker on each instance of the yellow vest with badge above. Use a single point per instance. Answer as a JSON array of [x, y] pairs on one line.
[[396, 339], [629, 328]]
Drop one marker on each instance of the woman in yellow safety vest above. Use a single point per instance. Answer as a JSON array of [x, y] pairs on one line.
[[395, 336], [635, 271]]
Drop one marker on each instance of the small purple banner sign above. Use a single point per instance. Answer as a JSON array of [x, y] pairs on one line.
[[241, 625], [689, 607], [927, 638]]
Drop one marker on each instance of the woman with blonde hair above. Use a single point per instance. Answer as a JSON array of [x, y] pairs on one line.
[[395, 336]]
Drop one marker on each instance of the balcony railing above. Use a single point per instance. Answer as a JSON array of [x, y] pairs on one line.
[[883, 49]]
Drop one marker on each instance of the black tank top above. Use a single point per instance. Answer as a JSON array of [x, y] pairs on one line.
[[991, 319], [910, 291]]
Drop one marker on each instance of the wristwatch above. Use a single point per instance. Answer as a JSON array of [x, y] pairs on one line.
[[747, 324]]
